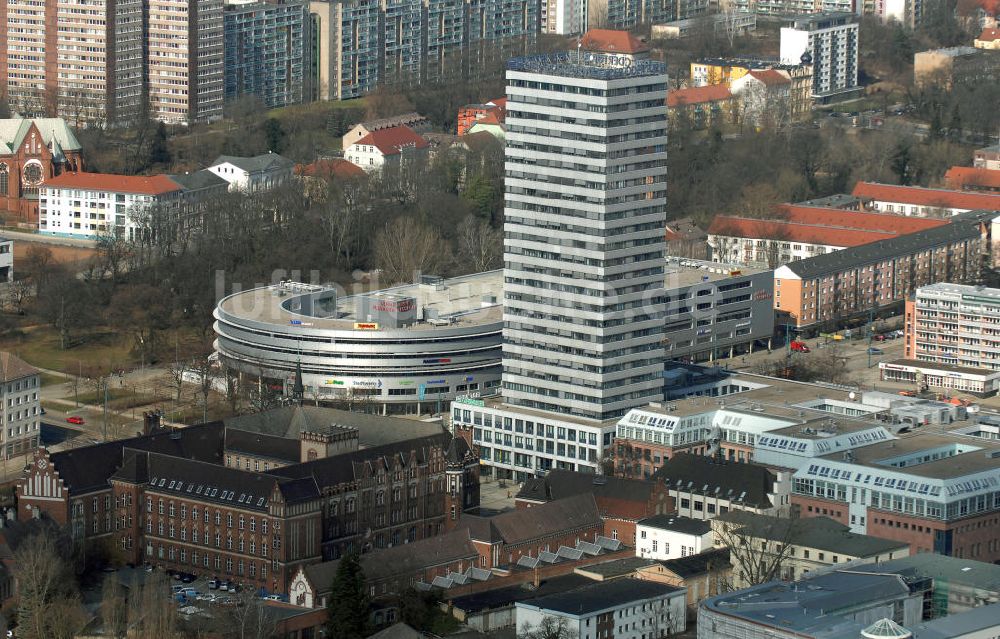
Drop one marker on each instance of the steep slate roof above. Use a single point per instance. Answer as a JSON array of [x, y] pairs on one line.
[[393, 140], [330, 471], [700, 474], [397, 631], [698, 95], [262, 162], [601, 596], [143, 185], [404, 559], [373, 430], [86, 469], [518, 526], [198, 180], [958, 177], [263, 445], [205, 481], [962, 227], [699, 564], [13, 367], [821, 533], [926, 197], [56, 134], [612, 41], [615, 495]]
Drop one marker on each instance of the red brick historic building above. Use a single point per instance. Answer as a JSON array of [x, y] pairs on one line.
[[31, 151], [175, 498]]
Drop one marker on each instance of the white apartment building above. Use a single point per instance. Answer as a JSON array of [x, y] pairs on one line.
[[922, 202], [664, 537], [21, 414], [91, 204], [620, 608], [253, 175], [954, 324], [830, 41]]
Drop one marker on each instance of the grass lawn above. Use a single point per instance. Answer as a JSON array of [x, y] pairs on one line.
[[40, 347], [49, 380]]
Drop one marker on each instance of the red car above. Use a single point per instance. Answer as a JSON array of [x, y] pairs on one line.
[[75, 420]]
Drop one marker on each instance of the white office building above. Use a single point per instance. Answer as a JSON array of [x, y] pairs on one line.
[[586, 167], [830, 41], [584, 301]]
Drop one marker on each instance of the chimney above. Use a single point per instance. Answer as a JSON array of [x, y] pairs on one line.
[[536, 581]]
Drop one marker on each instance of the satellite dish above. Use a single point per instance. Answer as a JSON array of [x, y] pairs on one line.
[[852, 395]]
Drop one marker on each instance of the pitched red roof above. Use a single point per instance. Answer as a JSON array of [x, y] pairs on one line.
[[926, 197], [141, 184], [393, 140], [770, 77], [698, 95], [335, 167], [815, 225], [989, 35], [958, 177], [612, 41]]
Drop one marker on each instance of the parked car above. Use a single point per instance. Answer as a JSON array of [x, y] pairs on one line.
[[799, 347], [880, 338], [274, 598], [75, 420], [187, 577], [189, 592], [874, 351], [213, 584]]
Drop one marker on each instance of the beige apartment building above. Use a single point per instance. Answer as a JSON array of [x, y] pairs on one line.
[[185, 63], [93, 61]]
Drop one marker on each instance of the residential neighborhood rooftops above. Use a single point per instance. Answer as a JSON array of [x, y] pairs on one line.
[[920, 196], [822, 226], [257, 163], [698, 95], [959, 177], [393, 140], [886, 249], [603, 595], [770, 77], [612, 41], [330, 168], [138, 184]]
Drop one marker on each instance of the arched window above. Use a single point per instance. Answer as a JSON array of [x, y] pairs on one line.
[[4, 177]]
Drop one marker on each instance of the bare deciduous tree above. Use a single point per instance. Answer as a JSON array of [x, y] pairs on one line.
[[759, 546], [480, 246], [43, 580], [547, 628], [406, 247], [114, 607]]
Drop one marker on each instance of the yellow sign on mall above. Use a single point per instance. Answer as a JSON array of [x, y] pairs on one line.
[[365, 326]]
